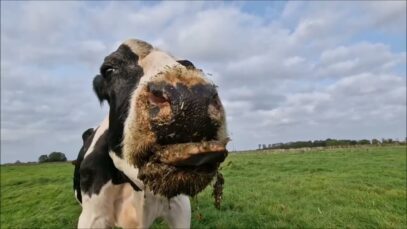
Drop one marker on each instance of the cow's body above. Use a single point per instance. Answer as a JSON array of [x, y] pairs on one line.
[[109, 199], [165, 136]]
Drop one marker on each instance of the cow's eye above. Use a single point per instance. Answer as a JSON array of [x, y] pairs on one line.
[[107, 71]]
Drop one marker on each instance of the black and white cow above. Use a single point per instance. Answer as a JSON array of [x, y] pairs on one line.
[[164, 139], [87, 137], [106, 194]]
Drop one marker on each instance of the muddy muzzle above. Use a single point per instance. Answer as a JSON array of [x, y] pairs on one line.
[[186, 114]]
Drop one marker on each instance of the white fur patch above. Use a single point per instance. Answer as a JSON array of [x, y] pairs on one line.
[[155, 62], [130, 171], [176, 211], [113, 206], [101, 129], [76, 197], [139, 47], [98, 210]]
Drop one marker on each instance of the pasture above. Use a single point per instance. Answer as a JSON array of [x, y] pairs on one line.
[[350, 187]]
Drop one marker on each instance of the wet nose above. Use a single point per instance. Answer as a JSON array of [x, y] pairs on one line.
[[183, 96], [193, 109]]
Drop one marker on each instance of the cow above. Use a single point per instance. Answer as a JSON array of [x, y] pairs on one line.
[[87, 137], [163, 140], [95, 174]]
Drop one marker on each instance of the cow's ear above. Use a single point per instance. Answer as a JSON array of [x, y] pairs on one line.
[[100, 88], [87, 134], [186, 63]]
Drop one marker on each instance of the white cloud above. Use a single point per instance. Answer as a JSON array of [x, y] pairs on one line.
[[358, 58], [389, 16]]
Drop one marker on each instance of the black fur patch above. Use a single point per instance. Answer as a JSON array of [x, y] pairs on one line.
[[100, 88], [87, 134], [87, 138], [186, 63], [120, 74], [97, 169]]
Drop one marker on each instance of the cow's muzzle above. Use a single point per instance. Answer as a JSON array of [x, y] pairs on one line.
[[185, 120]]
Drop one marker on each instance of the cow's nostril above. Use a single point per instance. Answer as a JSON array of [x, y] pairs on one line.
[[157, 98]]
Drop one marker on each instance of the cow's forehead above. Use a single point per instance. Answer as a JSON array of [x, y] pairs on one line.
[[156, 61], [139, 47], [150, 59]]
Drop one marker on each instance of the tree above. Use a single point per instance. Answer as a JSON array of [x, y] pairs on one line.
[[387, 141], [332, 142], [43, 158], [364, 142], [375, 141], [56, 156]]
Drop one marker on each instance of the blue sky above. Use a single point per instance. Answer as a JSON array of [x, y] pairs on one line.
[[286, 70]]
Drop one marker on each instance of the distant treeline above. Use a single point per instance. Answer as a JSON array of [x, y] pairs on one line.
[[330, 143], [52, 157]]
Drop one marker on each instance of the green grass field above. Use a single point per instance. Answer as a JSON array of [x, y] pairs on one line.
[[352, 188]]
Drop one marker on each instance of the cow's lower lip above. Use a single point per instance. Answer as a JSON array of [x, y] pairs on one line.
[[185, 168], [207, 168], [192, 154]]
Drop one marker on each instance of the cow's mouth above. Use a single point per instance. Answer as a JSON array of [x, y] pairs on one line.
[[185, 168], [193, 154]]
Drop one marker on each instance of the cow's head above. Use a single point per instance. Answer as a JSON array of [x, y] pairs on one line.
[[165, 118]]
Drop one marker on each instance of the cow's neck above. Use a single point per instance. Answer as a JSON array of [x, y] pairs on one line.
[[129, 170], [118, 112], [117, 115]]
